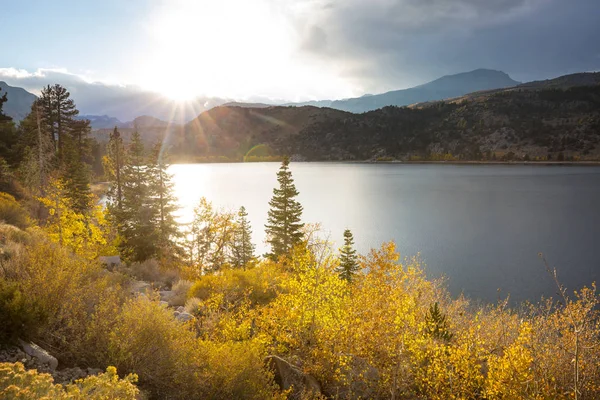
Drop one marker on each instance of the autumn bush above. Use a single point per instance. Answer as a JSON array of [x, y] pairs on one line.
[[172, 363], [20, 316], [17, 383], [152, 271], [259, 284], [11, 211], [393, 333]]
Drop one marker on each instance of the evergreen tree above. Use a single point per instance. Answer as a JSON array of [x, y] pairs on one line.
[[242, 248], [76, 179], [113, 163], [348, 260], [135, 218], [8, 136], [283, 225], [37, 151], [163, 203], [65, 112], [437, 324]]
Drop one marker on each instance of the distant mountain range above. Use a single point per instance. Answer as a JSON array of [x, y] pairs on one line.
[[559, 118], [443, 88], [19, 101], [106, 106]]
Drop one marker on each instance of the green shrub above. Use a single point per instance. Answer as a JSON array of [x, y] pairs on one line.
[[11, 211], [20, 316]]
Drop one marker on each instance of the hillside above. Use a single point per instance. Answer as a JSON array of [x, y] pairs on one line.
[[232, 131], [532, 121], [19, 101], [442, 88]]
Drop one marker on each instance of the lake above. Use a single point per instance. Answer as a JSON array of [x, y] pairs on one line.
[[481, 226]]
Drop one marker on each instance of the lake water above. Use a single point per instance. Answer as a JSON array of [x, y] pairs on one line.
[[482, 226]]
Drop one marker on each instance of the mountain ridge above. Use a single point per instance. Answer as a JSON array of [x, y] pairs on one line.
[[538, 120], [19, 101]]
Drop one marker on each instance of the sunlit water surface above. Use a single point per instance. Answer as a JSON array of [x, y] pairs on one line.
[[480, 226]]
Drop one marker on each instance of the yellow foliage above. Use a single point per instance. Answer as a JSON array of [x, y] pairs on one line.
[[17, 383], [83, 234]]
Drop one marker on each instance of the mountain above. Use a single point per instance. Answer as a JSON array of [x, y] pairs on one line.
[[101, 121], [150, 129], [557, 118], [19, 101], [443, 88]]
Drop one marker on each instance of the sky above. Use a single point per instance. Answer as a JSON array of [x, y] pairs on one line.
[[292, 50]]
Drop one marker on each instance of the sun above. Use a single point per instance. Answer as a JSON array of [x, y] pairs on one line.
[[232, 49]]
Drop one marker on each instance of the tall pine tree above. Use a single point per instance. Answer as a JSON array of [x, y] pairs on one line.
[[135, 218], [242, 248], [163, 204], [348, 260], [284, 229], [113, 163]]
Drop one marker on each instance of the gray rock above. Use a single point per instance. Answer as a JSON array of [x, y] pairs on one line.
[[288, 376], [42, 355], [181, 309], [140, 287], [94, 371], [110, 262], [184, 317], [167, 295]]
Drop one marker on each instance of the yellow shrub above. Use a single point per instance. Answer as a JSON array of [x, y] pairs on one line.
[[11, 211], [17, 383], [260, 284]]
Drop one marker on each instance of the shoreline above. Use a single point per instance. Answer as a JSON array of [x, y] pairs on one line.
[[399, 162]]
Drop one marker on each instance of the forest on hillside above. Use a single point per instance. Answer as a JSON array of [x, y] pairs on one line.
[[123, 302]]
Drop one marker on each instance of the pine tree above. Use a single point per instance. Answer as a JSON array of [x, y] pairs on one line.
[[348, 260], [65, 112], [8, 136], [437, 324], [242, 249], [76, 179], [283, 227], [163, 203], [135, 218], [113, 164], [37, 149]]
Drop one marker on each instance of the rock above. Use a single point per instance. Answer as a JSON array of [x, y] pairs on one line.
[[167, 295], [110, 262], [176, 313], [181, 309], [139, 287], [288, 376], [42, 355], [184, 317], [94, 371]]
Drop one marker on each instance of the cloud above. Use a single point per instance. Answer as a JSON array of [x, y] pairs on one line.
[[388, 44], [124, 102]]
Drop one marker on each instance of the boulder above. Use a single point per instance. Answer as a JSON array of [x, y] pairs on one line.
[[180, 309], [42, 355], [110, 262], [166, 295], [288, 376], [140, 287], [184, 317]]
